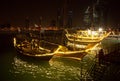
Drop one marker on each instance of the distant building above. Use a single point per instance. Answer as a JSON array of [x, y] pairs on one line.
[[64, 14], [95, 15], [27, 22]]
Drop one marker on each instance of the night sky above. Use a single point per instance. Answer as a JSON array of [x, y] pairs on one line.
[[15, 11]]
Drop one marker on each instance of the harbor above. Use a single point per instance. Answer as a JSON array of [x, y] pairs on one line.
[[59, 40], [57, 68]]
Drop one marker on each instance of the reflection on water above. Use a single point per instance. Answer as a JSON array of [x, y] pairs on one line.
[[55, 69]]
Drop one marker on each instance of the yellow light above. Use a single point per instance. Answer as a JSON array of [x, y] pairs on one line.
[[93, 32], [100, 29], [89, 32]]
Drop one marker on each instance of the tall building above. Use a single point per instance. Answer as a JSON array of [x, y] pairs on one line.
[[95, 15], [64, 14], [87, 17], [27, 22]]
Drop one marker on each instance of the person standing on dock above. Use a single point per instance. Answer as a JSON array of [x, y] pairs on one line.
[[101, 56]]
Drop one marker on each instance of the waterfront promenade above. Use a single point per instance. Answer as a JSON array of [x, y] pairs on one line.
[[106, 70]]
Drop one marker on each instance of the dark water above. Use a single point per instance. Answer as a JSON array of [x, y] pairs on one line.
[[15, 68]]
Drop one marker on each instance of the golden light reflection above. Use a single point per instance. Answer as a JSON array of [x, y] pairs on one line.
[[92, 48], [52, 70], [100, 29]]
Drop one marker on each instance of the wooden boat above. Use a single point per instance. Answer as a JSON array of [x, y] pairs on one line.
[[77, 55], [83, 36], [43, 53]]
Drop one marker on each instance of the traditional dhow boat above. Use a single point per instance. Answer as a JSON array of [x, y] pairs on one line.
[[41, 50], [76, 54], [83, 36]]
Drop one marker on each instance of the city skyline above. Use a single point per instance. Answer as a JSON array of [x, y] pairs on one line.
[[15, 12]]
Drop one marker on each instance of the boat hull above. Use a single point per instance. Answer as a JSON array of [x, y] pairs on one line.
[[42, 57]]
